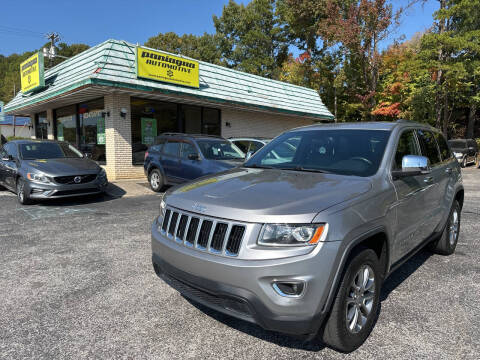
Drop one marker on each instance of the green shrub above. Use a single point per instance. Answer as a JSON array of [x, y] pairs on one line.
[[10, 138]]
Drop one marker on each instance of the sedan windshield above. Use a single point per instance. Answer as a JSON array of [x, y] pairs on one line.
[[220, 150], [48, 150], [346, 152]]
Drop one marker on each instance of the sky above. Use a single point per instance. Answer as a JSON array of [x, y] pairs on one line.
[[24, 23]]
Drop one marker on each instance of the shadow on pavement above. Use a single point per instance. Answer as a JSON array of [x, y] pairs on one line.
[[390, 284]]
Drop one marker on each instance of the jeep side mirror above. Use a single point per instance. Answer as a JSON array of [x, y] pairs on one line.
[[412, 165], [193, 156]]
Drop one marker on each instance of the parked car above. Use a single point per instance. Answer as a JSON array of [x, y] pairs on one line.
[[465, 150], [38, 170], [176, 158], [250, 144], [303, 246]]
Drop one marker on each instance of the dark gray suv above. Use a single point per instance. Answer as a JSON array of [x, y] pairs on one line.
[[301, 243]]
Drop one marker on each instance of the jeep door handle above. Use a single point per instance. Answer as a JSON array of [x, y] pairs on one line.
[[448, 170], [428, 179]]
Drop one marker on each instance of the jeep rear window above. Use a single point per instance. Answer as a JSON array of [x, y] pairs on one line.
[[339, 151]]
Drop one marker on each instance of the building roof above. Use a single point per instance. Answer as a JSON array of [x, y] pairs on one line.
[[112, 64], [19, 121]]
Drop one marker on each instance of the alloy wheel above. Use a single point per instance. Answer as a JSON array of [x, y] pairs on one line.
[[454, 225], [360, 298], [155, 180]]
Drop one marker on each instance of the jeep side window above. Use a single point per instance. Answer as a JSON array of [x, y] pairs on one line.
[[443, 146], [406, 146], [429, 146]]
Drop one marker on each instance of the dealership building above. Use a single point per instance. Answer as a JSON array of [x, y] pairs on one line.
[[111, 101]]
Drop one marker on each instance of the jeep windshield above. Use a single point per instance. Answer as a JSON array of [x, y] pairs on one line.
[[220, 150], [338, 151]]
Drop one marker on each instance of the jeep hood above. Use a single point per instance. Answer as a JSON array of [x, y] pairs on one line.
[[266, 195]]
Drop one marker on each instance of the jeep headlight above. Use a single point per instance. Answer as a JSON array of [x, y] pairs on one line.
[[457, 154], [39, 178], [292, 234]]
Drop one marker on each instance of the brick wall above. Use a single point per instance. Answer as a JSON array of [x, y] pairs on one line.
[[118, 140], [250, 123]]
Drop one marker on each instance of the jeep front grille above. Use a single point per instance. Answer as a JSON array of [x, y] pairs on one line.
[[203, 233]]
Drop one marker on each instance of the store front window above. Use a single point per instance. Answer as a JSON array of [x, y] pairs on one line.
[[92, 129], [41, 126], [66, 124], [151, 118], [83, 126]]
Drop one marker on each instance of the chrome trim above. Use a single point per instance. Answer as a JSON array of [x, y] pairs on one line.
[[202, 219], [281, 293]]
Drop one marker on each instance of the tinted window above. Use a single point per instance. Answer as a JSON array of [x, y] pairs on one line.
[[472, 143], [348, 152], [171, 148], [34, 151], [255, 146], [160, 141], [219, 150], [242, 145], [443, 146], [458, 144], [188, 149], [11, 149], [429, 146], [406, 146]]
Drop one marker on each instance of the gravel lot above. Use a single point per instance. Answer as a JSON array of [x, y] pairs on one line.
[[76, 282]]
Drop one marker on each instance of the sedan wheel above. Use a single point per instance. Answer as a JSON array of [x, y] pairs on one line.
[[22, 196], [156, 180]]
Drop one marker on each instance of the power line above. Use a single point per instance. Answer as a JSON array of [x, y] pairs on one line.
[[20, 31]]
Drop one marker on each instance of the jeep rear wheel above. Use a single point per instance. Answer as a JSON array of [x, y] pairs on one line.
[[447, 242], [356, 305]]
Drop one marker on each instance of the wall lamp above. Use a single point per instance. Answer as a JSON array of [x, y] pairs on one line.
[[227, 124], [105, 113]]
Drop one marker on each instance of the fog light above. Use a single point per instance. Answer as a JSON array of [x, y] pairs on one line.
[[289, 288]]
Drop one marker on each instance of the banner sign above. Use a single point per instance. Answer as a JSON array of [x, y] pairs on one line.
[[31, 73], [149, 130], [157, 65], [2, 113]]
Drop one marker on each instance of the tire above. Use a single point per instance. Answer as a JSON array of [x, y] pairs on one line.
[[476, 161], [341, 332], [447, 242], [22, 196], [464, 162], [155, 179]]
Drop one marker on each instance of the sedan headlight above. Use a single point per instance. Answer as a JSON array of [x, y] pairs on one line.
[[39, 178], [292, 234]]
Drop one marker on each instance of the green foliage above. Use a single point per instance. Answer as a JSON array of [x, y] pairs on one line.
[[10, 138], [205, 47]]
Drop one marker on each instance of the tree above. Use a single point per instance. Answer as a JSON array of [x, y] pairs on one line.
[[205, 47], [251, 38]]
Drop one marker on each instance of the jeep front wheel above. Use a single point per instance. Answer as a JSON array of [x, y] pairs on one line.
[[356, 305]]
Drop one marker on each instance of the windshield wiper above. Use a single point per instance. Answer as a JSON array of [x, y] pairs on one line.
[[255, 166], [301, 168]]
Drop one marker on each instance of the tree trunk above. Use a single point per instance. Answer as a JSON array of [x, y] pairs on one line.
[[472, 117], [445, 115], [439, 80], [335, 102]]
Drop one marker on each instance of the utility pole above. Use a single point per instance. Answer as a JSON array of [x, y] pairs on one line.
[[14, 117], [50, 53]]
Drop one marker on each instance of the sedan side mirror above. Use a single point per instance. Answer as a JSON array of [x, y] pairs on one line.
[[193, 156], [412, 165]]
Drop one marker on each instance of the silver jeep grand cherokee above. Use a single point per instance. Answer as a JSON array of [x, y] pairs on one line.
[[300, 238]]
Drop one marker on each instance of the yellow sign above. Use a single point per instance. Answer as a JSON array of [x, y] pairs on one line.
[[31, 73], [160, 66]]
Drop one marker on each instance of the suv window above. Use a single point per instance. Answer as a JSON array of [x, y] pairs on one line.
[[429, 146], [472, 143], [171, 148], [443, 146], [11, 149], [188, 149], [407, 145]]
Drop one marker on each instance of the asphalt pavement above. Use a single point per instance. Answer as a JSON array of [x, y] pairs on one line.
[[76, 281]]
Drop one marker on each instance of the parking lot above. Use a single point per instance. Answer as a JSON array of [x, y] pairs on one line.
[[76, 281]]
